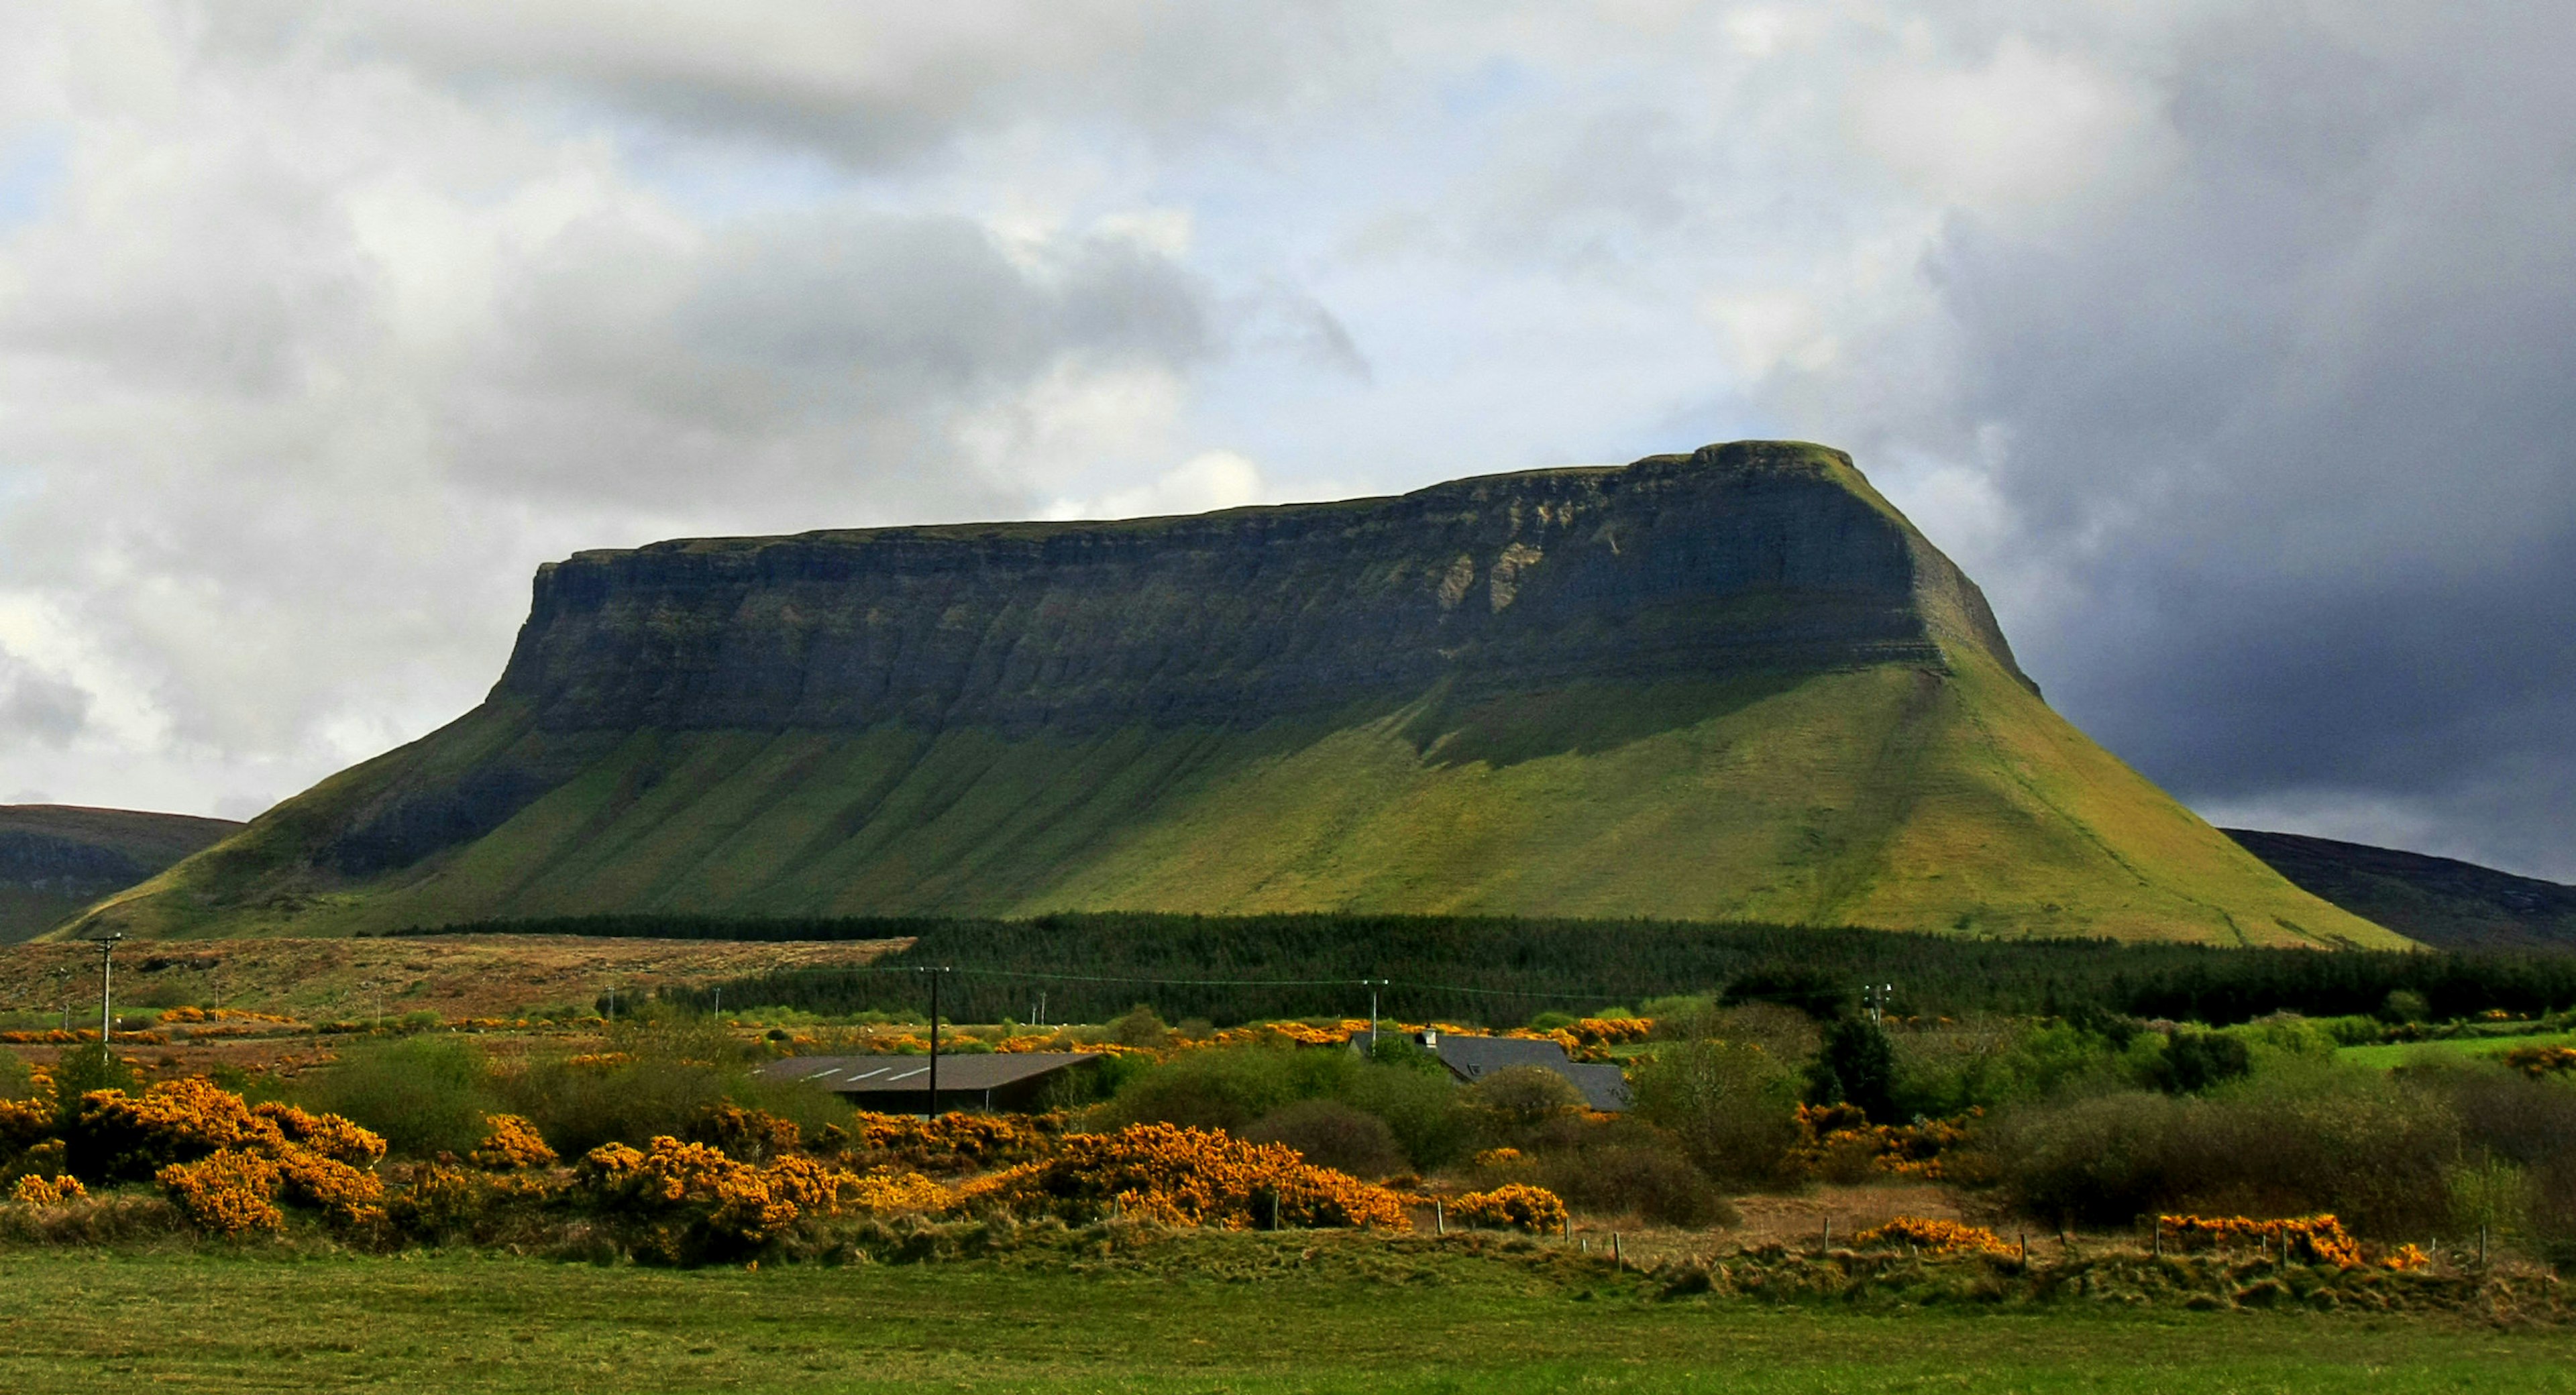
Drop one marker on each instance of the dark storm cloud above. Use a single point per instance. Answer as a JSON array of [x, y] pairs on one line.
[[2294, 429]]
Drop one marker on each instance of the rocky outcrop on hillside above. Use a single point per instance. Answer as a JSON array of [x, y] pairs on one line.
[[1751, 556]]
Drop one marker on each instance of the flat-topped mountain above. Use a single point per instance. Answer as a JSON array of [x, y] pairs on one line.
[[1735, 684], [55, 859]]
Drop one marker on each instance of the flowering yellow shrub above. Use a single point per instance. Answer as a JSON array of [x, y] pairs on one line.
[[1831, 1133], [40, 1191], [896, 1193], [327, 1134], [960, 1140], [228, 1164], [2321, 1239], [746, 1135], [23, 1122], [1498, 1157], [1612, 1031], [510, 1144], [1534, 1209], [230, 1192], [2405, 1257], [344, 1195], [1938, 1236], [113, 1134], [1187, 1177], [688, 1201], [439, 1198]]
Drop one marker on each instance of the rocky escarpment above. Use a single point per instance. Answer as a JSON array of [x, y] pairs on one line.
[[1734, 684], [1755, 556]]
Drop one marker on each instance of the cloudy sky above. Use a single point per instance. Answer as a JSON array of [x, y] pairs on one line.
[[2233, 347]]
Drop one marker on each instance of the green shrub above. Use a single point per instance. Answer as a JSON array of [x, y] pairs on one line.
[[425, 1095], [1857, 1067], [1422, 1108], [17, 1079], [1516, 1099], [2193, 1061], [1635, 1175], [1331, 1134], [82, 1069], [1227, 1089], [1731, 1106], [2371, 1149]]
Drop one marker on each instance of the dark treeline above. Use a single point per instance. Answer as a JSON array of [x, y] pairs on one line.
[[1497, 971]]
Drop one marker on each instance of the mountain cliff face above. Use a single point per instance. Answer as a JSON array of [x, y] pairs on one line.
[[1729, 684]]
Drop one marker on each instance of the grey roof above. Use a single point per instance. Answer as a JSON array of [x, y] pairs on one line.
[[1604, 1087], [1473, 1057], [869, 1074]]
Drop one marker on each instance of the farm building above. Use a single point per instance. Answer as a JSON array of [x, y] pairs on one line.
[[1016, 1082], [1471, 1059]]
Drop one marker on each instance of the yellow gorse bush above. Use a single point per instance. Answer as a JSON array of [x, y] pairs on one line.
[[510, 1144], [229, 1165], [898, 1193], [1828, 1133], [1183, 1176], [2320, 1239], [688, 1201], [1515, 1207], [959, 1141], [2312, 1236], [41, 1191], [1938, 1236], [231, 1192]]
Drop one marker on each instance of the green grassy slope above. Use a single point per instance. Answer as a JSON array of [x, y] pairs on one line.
[[56, 859], [1890, 797], [2437, 901]]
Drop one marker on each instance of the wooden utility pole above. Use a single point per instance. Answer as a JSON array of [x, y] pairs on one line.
[[106, 992]]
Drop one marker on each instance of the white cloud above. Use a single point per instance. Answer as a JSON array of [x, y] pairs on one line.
[[1210, 480]]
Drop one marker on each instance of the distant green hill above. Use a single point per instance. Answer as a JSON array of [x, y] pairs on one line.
[[56, 859], [2437, 901], [1734, 685]]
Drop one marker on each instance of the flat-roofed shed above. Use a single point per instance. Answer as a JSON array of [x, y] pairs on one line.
[[1007, 1082]]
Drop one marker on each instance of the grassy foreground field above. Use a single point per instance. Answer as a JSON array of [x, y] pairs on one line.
[[86, 1321]]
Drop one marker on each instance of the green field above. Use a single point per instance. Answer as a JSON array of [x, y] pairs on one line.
[[93, 1321], [2455, 1049]]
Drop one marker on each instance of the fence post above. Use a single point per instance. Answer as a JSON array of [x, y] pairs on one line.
[[1439, 1221]]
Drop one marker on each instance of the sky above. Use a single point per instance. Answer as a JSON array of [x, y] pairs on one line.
[[2230, 346]]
